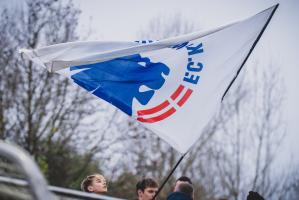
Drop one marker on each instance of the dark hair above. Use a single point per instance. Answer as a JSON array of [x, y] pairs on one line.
[[145, 183], [184, 179], [186, 188], [254, 196]]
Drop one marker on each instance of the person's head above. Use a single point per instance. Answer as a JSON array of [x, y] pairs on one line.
[[95, 183], [146, 189], [254, 196], [186, 188], [182, 179]]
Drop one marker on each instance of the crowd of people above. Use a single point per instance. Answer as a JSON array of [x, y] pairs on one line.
[[147, 188]]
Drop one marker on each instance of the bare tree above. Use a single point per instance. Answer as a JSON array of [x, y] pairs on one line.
[[293, 186], [161, 27], [251, 131], [43, 112]]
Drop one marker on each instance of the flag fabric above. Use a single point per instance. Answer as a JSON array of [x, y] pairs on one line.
[[172, 86]]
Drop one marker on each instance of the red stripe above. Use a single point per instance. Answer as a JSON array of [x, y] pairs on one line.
[[158, 118], [177, 92], [154, 109], [185, 97]]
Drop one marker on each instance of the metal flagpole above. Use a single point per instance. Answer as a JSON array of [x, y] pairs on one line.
[[169, 175], [250, 51]]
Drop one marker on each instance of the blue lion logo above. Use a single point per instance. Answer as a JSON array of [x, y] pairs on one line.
[[117, 81]]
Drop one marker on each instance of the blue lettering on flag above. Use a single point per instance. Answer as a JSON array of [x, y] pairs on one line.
[[194, 50], [179, 46], [117, 81], [193, 67], [144, 41]]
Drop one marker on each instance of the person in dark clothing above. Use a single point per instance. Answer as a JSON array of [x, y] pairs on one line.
[[254, 196], [184, 191]]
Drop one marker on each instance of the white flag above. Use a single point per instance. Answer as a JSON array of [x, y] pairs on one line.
[[172, 86]]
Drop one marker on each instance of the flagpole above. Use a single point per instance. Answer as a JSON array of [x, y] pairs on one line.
[[250, 51], [169, 175]]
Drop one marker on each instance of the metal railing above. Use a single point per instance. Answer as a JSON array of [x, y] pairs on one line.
[[59, 190], [37, 183], [35, 180]]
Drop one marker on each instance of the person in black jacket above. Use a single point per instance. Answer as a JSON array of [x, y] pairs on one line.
[[183, 191], [254, 196]]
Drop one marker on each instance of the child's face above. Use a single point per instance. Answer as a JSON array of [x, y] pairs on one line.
[[98, 185]]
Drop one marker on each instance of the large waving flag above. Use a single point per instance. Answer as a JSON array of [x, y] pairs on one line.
[[172, 86]]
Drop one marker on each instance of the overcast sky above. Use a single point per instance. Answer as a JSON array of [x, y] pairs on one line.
[[123, 20]]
